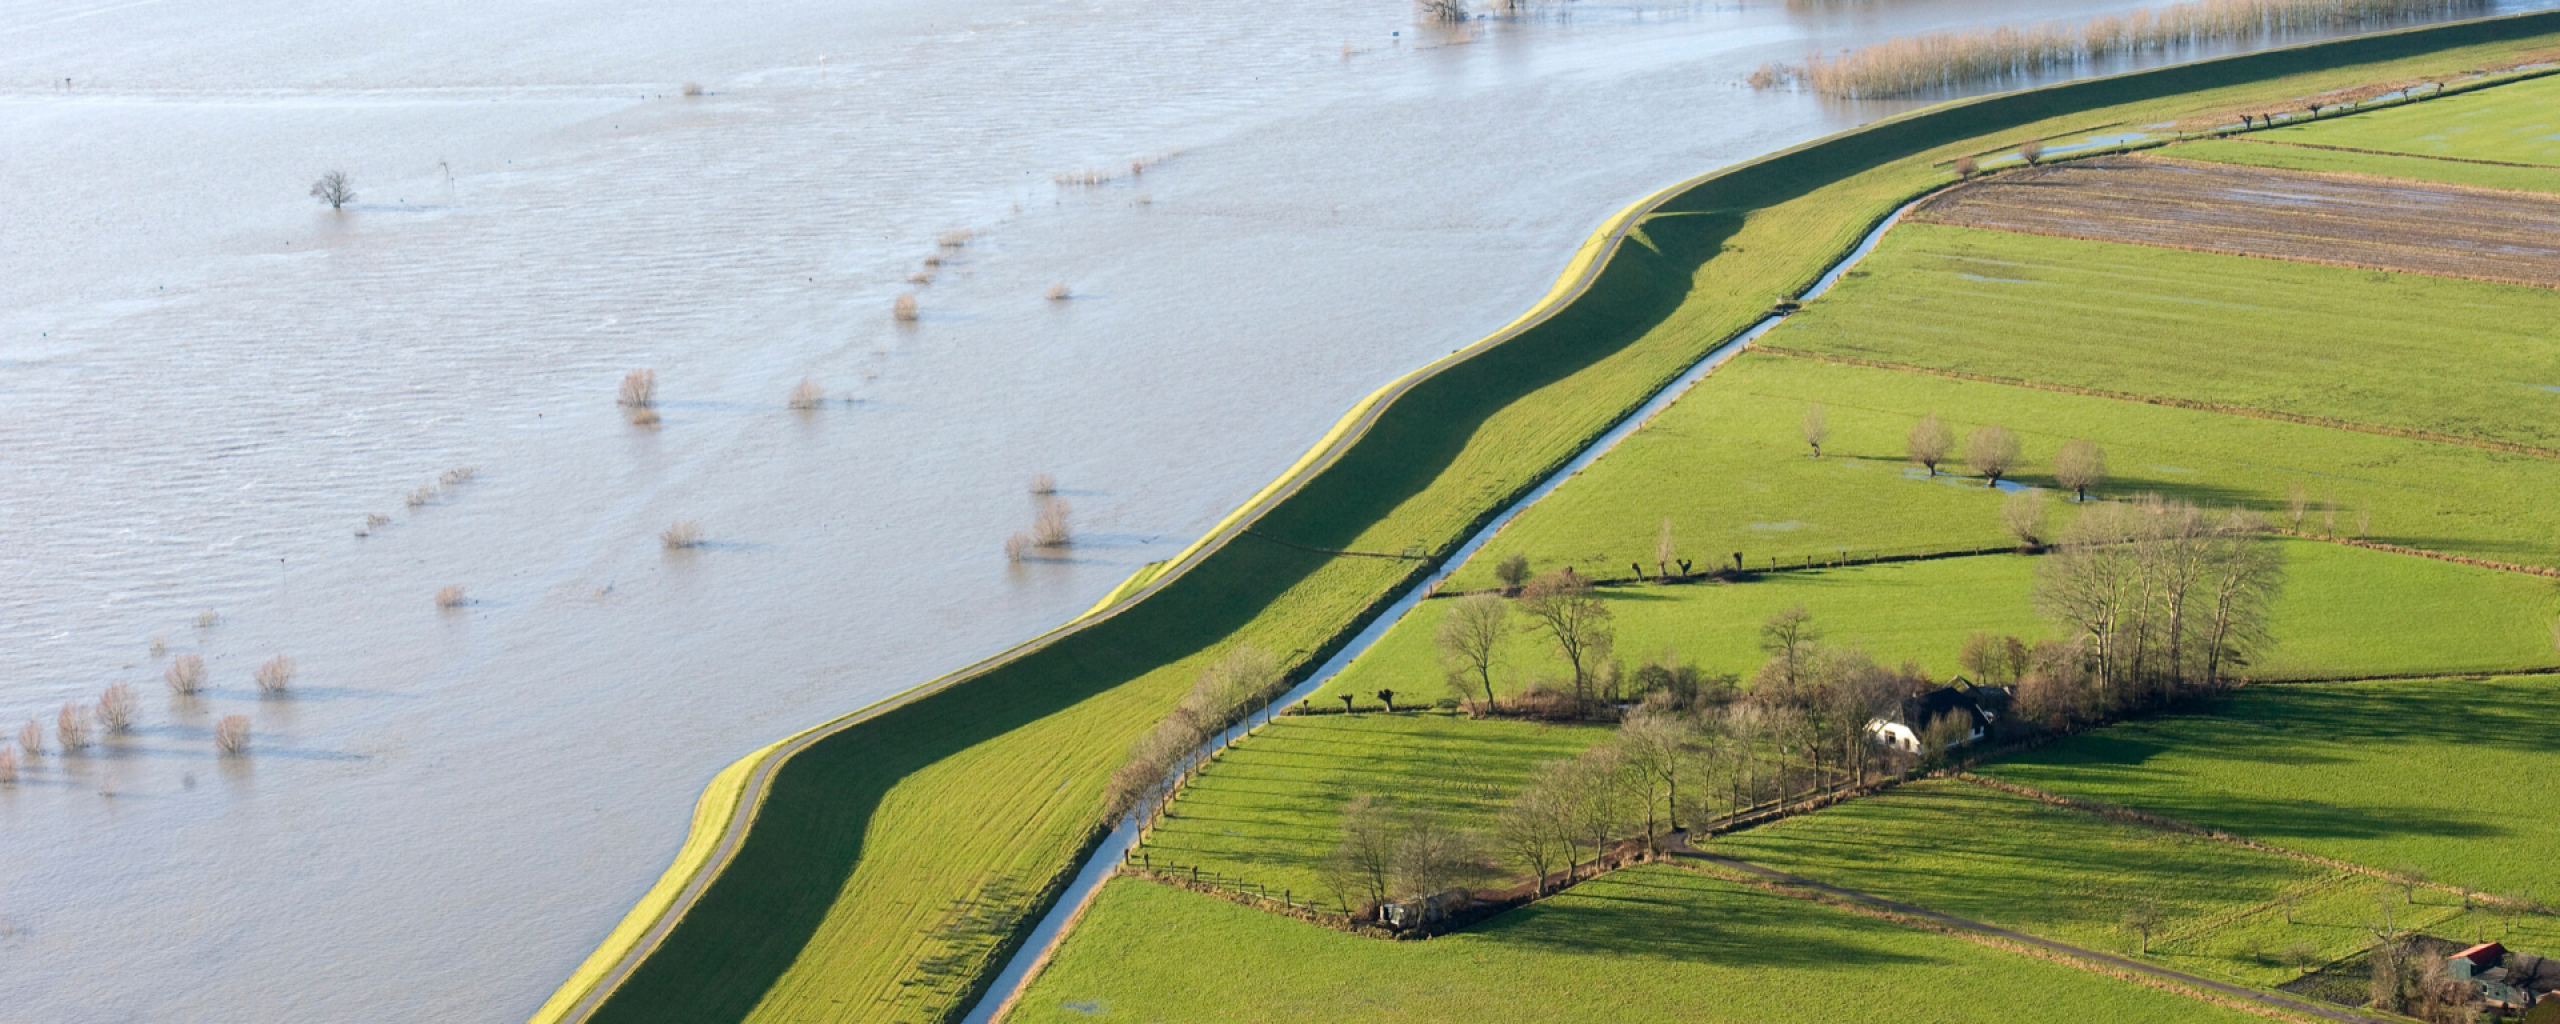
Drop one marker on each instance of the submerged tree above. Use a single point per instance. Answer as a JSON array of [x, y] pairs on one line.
[[334, 189], [1992, 451], [1930, 441]]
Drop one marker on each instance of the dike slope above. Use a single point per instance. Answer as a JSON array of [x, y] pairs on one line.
[[878, 866]]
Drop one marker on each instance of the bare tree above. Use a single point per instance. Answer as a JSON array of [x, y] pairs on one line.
[[639, 389], [275, 675], [2297, 503], [71, 726], [2080, 465], [1654, 747], [2143, 919], [231, 735], [1992, 451], [1535, 828], [1791, 641], [1597, 798], [2024, 513], [1049, 528], [1432, 857], [1564, 606], [185, 675], [1993, 660], [1965, 168], [2165, 597], [1930, 441], [333, 189], [2031, 151], [1664, 551], [1817, 427], [1362, 865], [118, 707], [1513, 571], [1471, 638]]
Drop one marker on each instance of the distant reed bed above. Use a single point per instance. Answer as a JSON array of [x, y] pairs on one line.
[[1943, 59]]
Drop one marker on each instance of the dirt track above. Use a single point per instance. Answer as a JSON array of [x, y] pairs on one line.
[[2344, 220]]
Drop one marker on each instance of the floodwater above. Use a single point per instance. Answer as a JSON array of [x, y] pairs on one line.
[[208, 381]]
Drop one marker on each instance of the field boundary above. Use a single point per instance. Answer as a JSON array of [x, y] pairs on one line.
[[2193, 405]]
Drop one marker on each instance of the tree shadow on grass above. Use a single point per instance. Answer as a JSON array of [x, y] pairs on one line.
[[1660, 915]]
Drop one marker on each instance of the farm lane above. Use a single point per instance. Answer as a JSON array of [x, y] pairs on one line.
[[1681, 847]]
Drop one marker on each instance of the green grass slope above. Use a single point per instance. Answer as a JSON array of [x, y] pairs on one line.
[[854, 896], [2464, 358], [2451, 776], [1652, 943]]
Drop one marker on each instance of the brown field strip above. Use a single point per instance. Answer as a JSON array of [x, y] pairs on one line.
[[2340, 220]]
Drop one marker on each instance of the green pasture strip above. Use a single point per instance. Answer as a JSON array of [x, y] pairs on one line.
[[2380, 774], [2518, 122], [2346, 612], [890, 860], [2062, 874], [1647, 943], [2465, 358], [2414, 168], [1269, 810], [1727, 465]]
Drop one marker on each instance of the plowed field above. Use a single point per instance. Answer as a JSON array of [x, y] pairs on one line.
[[2413, 227]]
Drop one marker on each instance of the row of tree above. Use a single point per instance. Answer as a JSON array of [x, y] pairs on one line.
[[1992, 451], [1224, 695]]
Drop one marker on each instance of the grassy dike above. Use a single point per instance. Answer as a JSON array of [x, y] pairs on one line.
[[893, 853]]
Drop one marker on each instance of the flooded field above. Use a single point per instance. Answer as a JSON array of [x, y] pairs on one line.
[[232, 419], [2376, 224]]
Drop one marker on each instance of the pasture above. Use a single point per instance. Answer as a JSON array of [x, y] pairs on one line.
[[1270, 809], [2441, 617], [2251, 151], [2515, 123], [2355, 345], [2450, 776], [1727, 466], [2010, 861], [1646, 943]]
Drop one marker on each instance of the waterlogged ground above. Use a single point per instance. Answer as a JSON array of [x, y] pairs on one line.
[[208, 381]]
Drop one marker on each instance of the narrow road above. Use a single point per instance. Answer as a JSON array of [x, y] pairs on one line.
[[1680, 847]]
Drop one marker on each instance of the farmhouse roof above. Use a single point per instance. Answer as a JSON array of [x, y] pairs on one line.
[[2483, 956]]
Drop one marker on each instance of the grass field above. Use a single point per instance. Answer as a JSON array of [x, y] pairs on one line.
[[2518, 123], [2451, 776], [846, 899], [1270, 809], [2013, 862], [2441, 617], [1727, 467], [1650, 943], [2302, 338], [2416, 168]]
